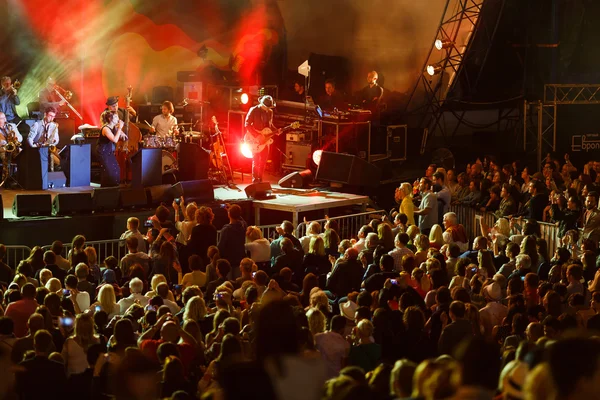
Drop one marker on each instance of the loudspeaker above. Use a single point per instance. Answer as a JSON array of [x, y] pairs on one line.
[[296, 179], [193, 162], [30, 205], [200, 191], [134, 198], [259, 191], [298, 154], [159, 194], [161, 94], [146, 168], [33, 168], [72, 203], [347, 169], [78, 164], [105, 199], [57, 179]]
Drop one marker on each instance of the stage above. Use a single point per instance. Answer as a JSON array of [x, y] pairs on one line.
[[291, 204]]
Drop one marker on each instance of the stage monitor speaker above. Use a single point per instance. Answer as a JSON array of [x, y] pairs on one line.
[[32, 205], [106, 199], [193, 162], [159, 194], [134, 198], [259, 191], [161, 94], [56, 180], [72, 203], [296, 179], [347, 169], [146, 167], [200, 191], [78, 163]]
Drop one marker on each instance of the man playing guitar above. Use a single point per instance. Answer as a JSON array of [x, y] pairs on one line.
[[260, 117]]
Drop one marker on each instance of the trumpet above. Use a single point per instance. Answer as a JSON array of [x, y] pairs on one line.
[[14, 87]]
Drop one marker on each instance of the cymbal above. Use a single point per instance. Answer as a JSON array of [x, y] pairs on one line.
[[193, 133], [184, 124]]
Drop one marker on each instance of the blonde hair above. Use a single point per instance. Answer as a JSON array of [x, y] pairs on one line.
[[422, 242], [435, 236], [21, 279], [316, 321], [45, 275], [195, 309], [253, 233], [503, 227], [190, 211], [107, 298], [314, 228], [316, 246], [318, 297], [412, 232], [406, 188], [84, 329], [385, 235], [156, 280], [365, 328], [53, 285]]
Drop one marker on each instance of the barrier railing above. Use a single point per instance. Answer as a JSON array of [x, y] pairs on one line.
[[14, 255], [349, 225], [469, 218]]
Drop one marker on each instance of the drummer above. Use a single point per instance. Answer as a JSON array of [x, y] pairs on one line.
[[112, 104], [165, 124]]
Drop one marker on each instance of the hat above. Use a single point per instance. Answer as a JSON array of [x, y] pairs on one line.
[[494, 291], [267, 101], [112, 100], [513, 379], [348, 309]]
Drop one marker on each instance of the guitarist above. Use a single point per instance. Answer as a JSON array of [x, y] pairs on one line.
[[260, 117]]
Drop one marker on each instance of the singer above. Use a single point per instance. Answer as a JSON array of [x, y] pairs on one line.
[[111, 134]]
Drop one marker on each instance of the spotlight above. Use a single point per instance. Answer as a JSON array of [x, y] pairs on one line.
[[245, 150], [434, 69], [244, 98], [316, 156], [443, 44]]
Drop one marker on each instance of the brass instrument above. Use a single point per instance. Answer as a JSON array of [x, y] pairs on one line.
[[12, 144], [65, 95], [14, 87]]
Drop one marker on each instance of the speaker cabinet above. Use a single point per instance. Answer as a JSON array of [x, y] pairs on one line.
[[78, 164], [105, 199], [146, 167], [296, 179], [32, 205], [72, 203], [159, 194], [193, 162], [259, 191], [57, 180], [297, 154], [200, 191], [133, 198], [347, 169]]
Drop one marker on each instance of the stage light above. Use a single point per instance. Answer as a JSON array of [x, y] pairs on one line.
[[443, 44], [244, 98], [434, 69], [245, 150], [316, 156]]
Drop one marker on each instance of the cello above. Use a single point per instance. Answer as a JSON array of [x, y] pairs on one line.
[[127, 148]]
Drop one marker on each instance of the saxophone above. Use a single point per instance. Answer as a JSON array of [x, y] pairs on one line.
[[51, 147], [12, 143]]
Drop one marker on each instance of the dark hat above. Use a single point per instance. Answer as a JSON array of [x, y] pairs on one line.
[[112, 100]]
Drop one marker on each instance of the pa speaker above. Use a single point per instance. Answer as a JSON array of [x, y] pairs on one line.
[[134, 198], [161, 94], [296, 179], [193, 162], [159, 194], [347, 169], [72, 203], [259, 191], [105, 199], [32, 205], [200, 191]]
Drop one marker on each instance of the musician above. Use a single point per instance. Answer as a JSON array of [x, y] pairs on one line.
[[370, 96], [45, 133], [7, 131], [112, 132], [165, 124], [49, 98], [9, 99], [299, 92], [258, 118], [332, 98], [112, 104]]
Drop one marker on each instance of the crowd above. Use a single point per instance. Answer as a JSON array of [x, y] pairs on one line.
[[407, 307]]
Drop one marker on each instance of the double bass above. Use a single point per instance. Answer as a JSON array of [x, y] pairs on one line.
[[127, 148]]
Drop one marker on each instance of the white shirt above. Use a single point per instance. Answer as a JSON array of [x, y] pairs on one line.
[[305, 242], [126, 302], [491, 315], [360, 245], [164, 126], [139, 236], [333, 348], [172, 306], [83, 300], [397, 255], [260, 250], [185, 230], [39, 130]]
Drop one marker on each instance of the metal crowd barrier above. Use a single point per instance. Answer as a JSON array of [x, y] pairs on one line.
[[468, 217], [349, 225]]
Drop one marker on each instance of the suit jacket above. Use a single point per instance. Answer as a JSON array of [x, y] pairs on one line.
[[591, 225], [346, 277], [41, 379], [453, 334]]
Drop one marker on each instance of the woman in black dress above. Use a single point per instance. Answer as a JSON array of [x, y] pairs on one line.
[[111, 134]]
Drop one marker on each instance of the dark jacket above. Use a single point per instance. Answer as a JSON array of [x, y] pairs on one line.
[[276, 245], [293, 261], [376, 281], [567, 219], [453, 334], [202, 237], [231, 244], [346, 277], [41, 379]]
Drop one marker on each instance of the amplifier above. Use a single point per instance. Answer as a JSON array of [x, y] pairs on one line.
[[298, 154], [296, 137]]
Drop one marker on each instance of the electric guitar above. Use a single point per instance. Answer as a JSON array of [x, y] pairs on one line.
[[258, 141]]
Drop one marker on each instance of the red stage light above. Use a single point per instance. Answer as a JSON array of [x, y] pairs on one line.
[[245, 150], [316, 156], [244, 98]]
